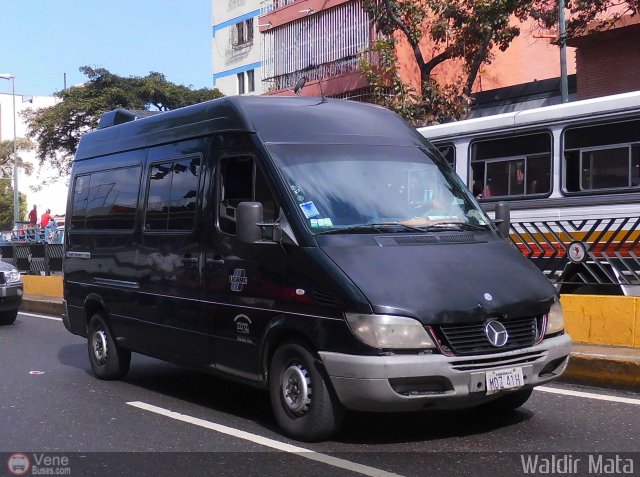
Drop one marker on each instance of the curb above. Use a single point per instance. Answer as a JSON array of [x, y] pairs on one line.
[[51, 306], [604, 371]]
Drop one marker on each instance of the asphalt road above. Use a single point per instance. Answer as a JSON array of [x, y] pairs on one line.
[[182, 422]]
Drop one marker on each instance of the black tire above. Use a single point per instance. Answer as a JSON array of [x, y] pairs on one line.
[[308, 416], [108, 361], [8, 317], [509, 402]]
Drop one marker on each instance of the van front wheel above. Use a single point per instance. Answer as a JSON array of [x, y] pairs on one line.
[[108, 361], [300, 395]]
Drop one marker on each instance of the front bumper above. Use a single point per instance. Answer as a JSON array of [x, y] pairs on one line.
[[434, 381], [11, 296]]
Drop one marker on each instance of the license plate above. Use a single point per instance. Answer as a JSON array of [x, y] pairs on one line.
[[504, 379]]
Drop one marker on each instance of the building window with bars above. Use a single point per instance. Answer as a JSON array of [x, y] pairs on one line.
[[242, 33]]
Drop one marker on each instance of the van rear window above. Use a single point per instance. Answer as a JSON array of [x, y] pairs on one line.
[[106, 200]]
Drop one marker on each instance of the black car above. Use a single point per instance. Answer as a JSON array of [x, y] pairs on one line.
[[11, 291]]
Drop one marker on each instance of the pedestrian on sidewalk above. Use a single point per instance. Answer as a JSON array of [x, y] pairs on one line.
[[33, 216], [46, 217]]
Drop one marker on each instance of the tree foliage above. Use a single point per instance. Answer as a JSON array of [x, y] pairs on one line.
[[583, 15], [6, 205], [467, 31], [6, 157], [57, 129]]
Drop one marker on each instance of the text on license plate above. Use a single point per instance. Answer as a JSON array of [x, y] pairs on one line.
[[504, 379]]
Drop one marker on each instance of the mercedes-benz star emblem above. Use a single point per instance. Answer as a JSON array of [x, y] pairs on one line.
[[496, 333]]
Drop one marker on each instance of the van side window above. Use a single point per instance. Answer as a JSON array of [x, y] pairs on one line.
[[603, 156], [241, 180], [106, 200], [79, 208], [172, 196]]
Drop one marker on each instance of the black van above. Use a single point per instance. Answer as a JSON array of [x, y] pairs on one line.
[[322, 249]]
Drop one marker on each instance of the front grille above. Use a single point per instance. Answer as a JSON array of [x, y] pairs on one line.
[[498, 362], [470, 339]]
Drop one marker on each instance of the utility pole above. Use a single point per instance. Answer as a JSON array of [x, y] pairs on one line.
[[564, 84]]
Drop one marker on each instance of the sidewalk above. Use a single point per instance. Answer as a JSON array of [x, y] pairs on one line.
[[607, 366]]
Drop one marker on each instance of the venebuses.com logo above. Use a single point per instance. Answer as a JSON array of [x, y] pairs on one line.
[[18, 464]]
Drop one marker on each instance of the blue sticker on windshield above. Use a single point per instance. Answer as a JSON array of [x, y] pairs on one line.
[[309, 209]]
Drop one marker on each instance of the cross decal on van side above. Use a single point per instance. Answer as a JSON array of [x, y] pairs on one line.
[[238, 280]]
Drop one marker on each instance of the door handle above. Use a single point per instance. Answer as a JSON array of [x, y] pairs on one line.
[[214, 261], [189, 260]]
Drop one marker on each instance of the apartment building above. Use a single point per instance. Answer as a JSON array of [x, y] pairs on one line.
[[236, 47], [319, 39]]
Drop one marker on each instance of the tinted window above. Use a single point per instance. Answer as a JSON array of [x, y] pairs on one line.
[[112, 199], [513, 166], [172, 196], [80, 194]]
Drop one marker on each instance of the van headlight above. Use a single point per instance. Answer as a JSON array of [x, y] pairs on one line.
[[555, 319], [387, 331]]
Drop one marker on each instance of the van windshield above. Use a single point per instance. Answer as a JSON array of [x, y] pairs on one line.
[[346, 187]]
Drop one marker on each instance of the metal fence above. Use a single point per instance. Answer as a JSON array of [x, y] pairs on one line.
[[583, 254], [34, 258]]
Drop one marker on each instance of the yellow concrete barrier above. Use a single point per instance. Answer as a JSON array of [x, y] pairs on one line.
[[42, 286], [603, 320]]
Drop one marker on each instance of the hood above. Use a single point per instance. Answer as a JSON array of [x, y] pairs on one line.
[[441, 278]]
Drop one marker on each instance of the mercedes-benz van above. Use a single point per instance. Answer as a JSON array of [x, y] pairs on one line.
[[320, 249]]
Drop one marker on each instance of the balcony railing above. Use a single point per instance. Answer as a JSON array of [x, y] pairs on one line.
[[267, 6]]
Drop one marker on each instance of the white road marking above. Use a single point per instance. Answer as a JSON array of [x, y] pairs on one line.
[[265, 441], [600, 397], [44, 317]]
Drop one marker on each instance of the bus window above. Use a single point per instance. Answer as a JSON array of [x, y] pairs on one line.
[[602, 157], [448, 151], [515, 166]]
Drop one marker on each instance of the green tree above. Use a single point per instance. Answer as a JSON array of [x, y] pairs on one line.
[[6, 205], [467, 31], [57, 129], [6, 178]]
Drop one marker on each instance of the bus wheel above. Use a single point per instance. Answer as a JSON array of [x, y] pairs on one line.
[[300, 395], [108, 361], [509, 402]]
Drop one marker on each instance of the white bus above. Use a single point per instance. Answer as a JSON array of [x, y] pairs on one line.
[[571, 176]]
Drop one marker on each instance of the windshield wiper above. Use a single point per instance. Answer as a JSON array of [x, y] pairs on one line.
[[455, 225], [374, 227]]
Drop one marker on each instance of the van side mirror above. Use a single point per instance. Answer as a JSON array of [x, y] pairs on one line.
[[503, 218], [248, 216]]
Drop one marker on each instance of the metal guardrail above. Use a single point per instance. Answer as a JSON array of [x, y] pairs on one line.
[[582, 252], [33, 258]]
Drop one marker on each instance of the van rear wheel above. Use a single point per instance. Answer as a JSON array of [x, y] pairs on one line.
[[108, 361], [301, 397]]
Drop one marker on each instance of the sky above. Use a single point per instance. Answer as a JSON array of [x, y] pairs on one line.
[[41, 40]]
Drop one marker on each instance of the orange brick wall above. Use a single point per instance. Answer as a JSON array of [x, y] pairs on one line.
[[609, 66]]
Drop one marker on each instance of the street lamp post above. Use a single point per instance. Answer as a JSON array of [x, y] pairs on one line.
[[16, 203]]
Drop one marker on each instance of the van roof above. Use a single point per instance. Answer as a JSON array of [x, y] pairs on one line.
[[275, 119]]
